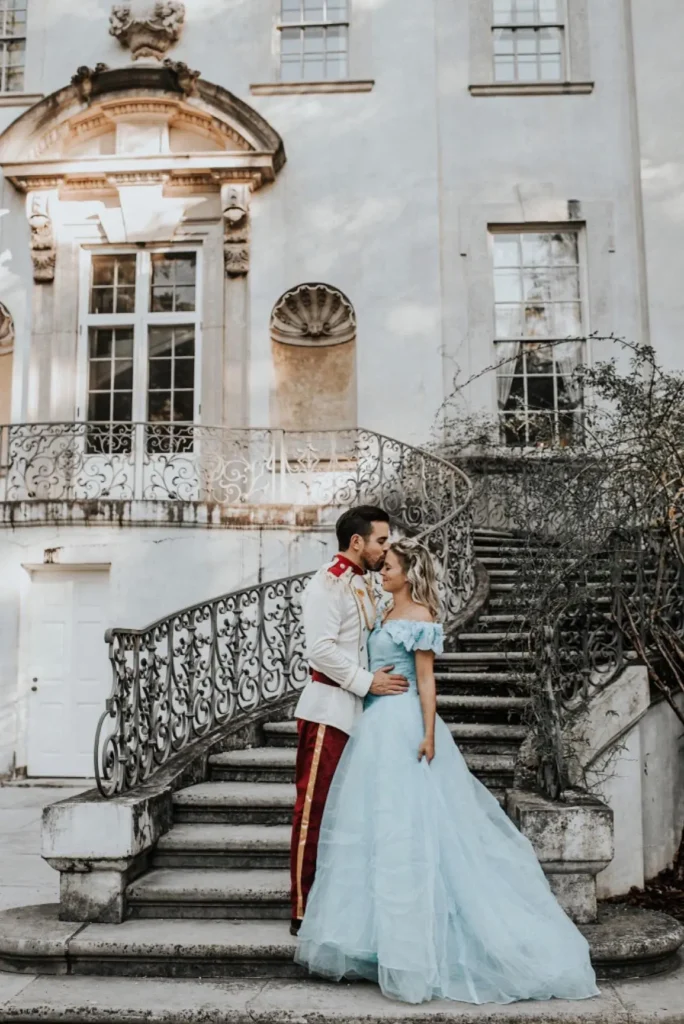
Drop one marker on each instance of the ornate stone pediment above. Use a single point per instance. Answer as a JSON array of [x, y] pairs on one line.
[[159, 124], [147, 28], [313, 314]]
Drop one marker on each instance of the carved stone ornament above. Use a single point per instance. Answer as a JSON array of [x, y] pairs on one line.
[[43, 249], [147, 27], [6, 330], [313, 314], [235, 205], [185, 77], [83, 80]]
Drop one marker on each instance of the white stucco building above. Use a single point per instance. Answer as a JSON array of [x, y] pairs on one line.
[[299, 215]]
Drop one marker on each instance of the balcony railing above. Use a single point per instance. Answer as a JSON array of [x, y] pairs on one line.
[[206, 667]]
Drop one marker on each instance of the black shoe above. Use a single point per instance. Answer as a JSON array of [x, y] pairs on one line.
[[295, 925]]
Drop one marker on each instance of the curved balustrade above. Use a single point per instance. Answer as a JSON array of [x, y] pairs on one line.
[[193, 672]]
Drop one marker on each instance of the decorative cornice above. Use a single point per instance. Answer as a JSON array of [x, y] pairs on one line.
[[315, 315], [147, 27]]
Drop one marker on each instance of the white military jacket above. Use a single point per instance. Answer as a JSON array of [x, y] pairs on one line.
[[339, 610]]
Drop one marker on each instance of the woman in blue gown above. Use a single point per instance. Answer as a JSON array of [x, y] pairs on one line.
[[423, 884]]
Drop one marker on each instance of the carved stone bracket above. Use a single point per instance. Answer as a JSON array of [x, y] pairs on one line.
[[313, 314], [6, 330], [147, 27], [43, 249], [235, 207]]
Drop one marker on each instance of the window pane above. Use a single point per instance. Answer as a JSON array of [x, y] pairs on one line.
[[100, 343], [540, 429], [564, 248], [185, 374], [536, 250], [539, 359], [100, 377], [313, 40], [549, 11], [507, 286], [123, 375], [291, 10], [514, 430], [526, 41], [503, 11], [508, 322], [183, 407], [337, 10], [538, 322], [100, 408], [291, 69], [506, 250], [504, 69], [160, 374], [504, 44], [313, 10], [290, 41], [314, 69], [568, 317], [122, 406], [159, 407], [173, 280], [103, 270], [185, 344], [550, 68], [526, 11], [113, 284]]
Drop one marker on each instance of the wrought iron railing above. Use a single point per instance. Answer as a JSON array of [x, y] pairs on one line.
[[194, 672]]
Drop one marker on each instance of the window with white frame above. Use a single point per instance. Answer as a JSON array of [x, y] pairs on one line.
[[314, 40], [141, 333], [528, 40], [12, 45], [538, 321]]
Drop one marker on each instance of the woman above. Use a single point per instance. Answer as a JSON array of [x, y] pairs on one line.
[[423, 884]]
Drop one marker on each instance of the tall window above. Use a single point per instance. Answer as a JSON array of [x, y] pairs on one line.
[[12, 44], [314, 40], [141, 344], [537, 311], [528, 40]]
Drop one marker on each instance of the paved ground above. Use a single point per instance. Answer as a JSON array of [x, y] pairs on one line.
[[25, 878]]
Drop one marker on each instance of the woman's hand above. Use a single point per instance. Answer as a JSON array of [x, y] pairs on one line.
[[426, 750]]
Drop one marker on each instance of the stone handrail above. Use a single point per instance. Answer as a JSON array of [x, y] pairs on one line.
[[191, 673]]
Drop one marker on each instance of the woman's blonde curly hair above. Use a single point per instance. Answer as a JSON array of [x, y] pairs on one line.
[[419, 567]]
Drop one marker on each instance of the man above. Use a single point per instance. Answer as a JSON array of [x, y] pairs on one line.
[[339, 609]]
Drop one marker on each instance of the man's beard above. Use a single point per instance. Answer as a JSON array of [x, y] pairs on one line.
[[369, 566]]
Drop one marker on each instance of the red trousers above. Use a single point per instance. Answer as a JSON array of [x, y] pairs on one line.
[[318, 753]]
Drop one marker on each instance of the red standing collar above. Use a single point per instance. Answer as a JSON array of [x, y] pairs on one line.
[[341, 563]]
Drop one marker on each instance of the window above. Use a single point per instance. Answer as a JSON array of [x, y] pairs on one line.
[[12, 44], [537, 309], [314, 40], [528, 41], [142, 331]]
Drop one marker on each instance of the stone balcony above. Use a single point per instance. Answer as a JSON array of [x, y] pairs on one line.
[[177, 474]]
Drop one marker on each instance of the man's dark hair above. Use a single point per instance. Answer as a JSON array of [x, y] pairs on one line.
[[358, 520]]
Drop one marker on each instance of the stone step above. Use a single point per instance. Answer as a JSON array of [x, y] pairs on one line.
[[210, 893], [202, 845], [464, 657], [235, 803], [473, 707], [191, 948]]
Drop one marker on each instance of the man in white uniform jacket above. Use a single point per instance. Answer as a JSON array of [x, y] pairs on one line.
[[339, 609]]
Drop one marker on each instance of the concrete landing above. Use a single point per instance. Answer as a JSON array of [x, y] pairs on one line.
[[78, 1000]]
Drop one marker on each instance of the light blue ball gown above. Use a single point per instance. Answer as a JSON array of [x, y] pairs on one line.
[[423, 884]]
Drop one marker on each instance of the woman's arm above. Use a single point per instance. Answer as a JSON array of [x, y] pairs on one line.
[[427, 691]]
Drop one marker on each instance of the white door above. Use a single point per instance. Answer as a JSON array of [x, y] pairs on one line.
[[68, 669]]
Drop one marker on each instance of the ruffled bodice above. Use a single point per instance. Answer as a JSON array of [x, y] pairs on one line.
[[395, 642]]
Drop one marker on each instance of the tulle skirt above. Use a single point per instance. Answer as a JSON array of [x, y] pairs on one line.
[[425, 886]]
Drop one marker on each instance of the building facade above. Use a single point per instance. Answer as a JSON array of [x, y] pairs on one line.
[[292, 215]]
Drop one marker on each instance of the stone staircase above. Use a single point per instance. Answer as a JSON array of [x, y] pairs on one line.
[[220, 876]]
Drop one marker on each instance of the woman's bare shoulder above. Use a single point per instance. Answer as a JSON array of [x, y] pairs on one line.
[[419, 613]]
